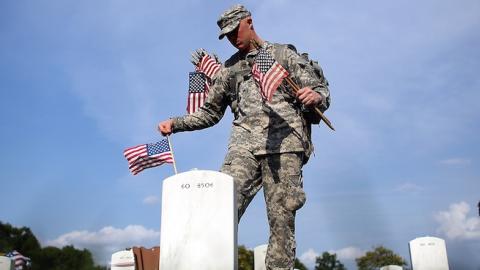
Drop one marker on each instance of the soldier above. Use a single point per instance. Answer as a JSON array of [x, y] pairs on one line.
[[270, 140]]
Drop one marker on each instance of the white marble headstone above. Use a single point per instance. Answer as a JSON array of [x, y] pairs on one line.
[[391, 267], [428, 253], [199, 222], [6, 263], [123, 260], [259, 254]]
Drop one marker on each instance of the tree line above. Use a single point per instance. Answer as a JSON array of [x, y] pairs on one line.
[[51, 258], [372, 260], [69, 258]]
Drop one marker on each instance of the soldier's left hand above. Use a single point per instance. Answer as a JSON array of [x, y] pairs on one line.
[[309, 97]]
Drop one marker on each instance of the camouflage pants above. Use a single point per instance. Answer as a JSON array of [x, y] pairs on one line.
[[280, 175]]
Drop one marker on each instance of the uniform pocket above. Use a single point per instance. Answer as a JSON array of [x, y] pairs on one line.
[[296, 197]]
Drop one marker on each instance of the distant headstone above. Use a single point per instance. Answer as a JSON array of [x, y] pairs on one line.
[[199, 222], [428, 253], [478, 205], [391, 267], [6, 263], [259, 254], [123, 260]]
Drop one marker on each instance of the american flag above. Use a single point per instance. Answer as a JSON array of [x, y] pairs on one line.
[[209, 66], [197, 91], [268, 73], [149, 155], [19, 260]]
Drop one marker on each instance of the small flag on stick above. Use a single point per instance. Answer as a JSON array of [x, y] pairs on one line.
[[18, 259], [208, 65], [268, 73], [149, 155], [197, 91]]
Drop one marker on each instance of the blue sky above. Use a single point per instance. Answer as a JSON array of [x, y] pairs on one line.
[[82, 80]]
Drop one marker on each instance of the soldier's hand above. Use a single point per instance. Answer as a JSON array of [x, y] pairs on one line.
[[165, 127], [309, 97]]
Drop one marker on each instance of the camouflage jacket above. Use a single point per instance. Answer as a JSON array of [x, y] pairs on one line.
[[259, 126]]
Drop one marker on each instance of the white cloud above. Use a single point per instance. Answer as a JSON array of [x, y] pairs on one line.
[[455, 224], [107, 240], [455, 161], [348, 253], [309, 256], [409, 188], [151, 200]]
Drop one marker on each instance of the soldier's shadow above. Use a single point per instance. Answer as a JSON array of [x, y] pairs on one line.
[[275, 138]]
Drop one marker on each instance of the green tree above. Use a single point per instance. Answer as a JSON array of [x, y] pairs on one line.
[[328, 262], [67, 258], [299, 265], [379, 257], [245, 258], [19, 239], [51, 258]]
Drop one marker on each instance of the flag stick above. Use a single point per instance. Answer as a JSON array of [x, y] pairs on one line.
[[317, 110], [173, 157]]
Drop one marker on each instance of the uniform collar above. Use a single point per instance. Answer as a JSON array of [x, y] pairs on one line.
[[252, 54]]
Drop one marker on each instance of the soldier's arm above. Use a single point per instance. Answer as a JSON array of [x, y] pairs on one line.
[[212, 110], [304, 75]]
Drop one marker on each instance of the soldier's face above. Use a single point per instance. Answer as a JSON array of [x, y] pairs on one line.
[[241, 36]]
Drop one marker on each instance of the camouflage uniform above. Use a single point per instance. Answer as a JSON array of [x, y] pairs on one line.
[[269, 142]]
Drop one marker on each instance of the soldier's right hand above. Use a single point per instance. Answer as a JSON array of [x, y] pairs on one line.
[[165, 127]]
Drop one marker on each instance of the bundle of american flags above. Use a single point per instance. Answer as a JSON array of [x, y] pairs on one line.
[[268, 73], [199, 81], [149, 155], [18, 259]]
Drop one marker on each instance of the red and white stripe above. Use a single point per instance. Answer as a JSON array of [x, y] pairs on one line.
[[134, 153], [19, 260], [151, 161], [269, 81], [139, 160], [209, 66], [195, 101]]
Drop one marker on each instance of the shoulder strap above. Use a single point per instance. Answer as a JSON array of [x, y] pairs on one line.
[[233, 82], [279, 51]]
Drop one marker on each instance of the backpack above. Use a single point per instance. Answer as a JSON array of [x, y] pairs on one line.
[[309, 114]]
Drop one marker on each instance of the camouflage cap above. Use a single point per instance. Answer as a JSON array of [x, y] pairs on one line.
[[230, 19]]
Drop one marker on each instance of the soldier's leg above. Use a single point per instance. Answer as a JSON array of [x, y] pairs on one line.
[[244, 167], [283, 190]]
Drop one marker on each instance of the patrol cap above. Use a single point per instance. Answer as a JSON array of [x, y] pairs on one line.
[[230, 19]]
